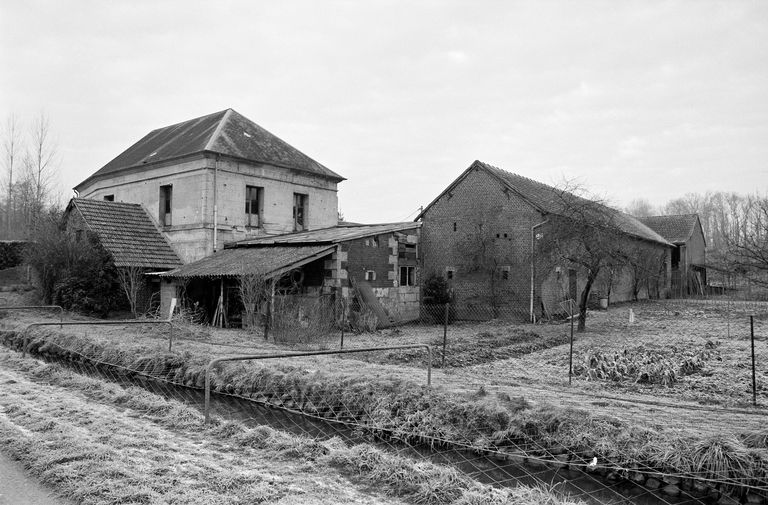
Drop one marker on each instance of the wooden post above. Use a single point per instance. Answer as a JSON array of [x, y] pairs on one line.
[[570, 353], [343, 317], [752, 337], [445, 332]]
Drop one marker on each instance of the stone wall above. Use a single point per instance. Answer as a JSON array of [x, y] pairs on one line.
[[192, 179]]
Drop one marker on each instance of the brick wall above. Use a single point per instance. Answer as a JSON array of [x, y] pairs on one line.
[[478, 217], [479, 230]]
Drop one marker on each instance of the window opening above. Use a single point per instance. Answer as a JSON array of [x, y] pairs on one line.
[[299, 212], [109, 198], [407, 276], [370, 275], [166, 199], [406, 251], [254, 196]]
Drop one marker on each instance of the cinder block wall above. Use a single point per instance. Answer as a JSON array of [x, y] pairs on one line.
[[381, 256]]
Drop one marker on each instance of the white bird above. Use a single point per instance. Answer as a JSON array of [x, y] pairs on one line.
[[592, 464]]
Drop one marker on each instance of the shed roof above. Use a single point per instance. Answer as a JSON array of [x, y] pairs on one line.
[[548, 200], [266, 261], [678, 229], [332, 235], [127, 232], [226, 132]]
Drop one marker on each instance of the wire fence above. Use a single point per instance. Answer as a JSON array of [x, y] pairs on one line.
[[679, 370]]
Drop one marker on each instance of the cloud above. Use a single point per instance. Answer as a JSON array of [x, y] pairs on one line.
[[631, 147]]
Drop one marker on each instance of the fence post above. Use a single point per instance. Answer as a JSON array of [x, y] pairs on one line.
[[445, 332], [170, 336], [343, 318], [752, 337], [570, 353], [266, 320]]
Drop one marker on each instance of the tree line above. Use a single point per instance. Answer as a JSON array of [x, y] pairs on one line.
[[29, 158], [735, 228]]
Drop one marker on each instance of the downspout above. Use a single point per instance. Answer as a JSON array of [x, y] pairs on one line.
[[533, 261], [215, 204]]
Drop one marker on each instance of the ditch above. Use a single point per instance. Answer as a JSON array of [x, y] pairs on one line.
[[502, 470]]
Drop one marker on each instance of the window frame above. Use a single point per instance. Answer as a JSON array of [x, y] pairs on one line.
[[249, 206], [166, 205], [300, 203], [410, 275]]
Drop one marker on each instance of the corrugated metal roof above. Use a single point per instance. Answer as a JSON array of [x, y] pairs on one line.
[[127, 232], [550, 200], [266, 261], [226, 132], [677, 229], [332, 235]]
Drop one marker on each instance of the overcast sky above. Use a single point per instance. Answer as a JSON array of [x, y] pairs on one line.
[[632, 99]]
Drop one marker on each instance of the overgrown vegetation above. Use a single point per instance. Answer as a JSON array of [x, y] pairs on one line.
[[646, 366], [74, 270]]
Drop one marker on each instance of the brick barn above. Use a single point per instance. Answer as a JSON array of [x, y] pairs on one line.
[[481, 234]]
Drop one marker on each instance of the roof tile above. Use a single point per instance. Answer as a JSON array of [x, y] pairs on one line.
[[677, 229], [226, 132], [127, 232]]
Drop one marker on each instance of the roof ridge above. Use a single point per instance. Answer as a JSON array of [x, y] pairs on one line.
[[219, 127]]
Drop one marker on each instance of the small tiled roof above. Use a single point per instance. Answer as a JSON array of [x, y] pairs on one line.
[[266, 261], [127, 232], [677, 229], [549, 200], [332, 235], [226, 132]]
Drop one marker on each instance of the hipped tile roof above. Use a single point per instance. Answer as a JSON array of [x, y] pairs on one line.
[[266, 261], [677, 229], [549, 200], [127, 232], [226, 132]]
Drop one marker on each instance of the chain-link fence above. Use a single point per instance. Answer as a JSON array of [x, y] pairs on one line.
[[660, 409]]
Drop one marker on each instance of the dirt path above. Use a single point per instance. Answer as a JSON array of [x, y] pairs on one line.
[[18, 488]]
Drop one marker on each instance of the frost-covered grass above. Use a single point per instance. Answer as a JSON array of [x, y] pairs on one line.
[[96, 442]]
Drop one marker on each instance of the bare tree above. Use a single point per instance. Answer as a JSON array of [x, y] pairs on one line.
[[11, 148], [647, 267], [254, 290], [131, 279], [749, 248], [39, 164], [584, 234], [640, 207]]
